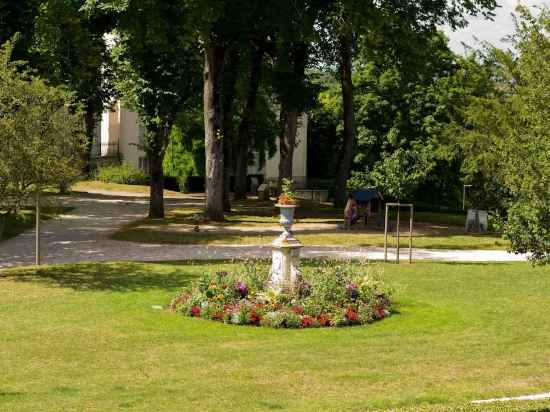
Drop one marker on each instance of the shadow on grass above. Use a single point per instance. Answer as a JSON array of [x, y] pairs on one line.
[[119, 277], [26, 218]]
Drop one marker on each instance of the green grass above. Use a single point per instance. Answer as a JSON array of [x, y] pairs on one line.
[[460, 242], [433, 230], [26, 219], [85, 337], [96, 185]]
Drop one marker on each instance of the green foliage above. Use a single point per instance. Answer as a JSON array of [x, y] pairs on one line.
[[185, 152], [122, 174], [41, 134], [399, 119], [502, 133], [18, 17], [528, 228], [69, 49], [156, 63]]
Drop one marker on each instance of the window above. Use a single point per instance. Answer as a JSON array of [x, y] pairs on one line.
[[144, 164]]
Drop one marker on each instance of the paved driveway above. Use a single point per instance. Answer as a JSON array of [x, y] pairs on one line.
[[83, 235]]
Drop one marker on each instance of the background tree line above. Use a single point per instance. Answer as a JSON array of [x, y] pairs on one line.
[[403, 111]]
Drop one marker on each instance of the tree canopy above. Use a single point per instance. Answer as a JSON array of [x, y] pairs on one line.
[[41, 134]]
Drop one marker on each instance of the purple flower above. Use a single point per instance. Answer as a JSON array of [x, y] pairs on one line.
[[351, 289], [305, 289], [241, 289]]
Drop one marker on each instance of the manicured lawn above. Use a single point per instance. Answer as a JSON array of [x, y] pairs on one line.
[[95, 185], [432, 230], [26, 219], [86, 337], [461, 242]]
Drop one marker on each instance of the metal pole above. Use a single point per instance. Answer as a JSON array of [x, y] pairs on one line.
[[386, 236], [37, 234], [411, 235], [397, 257]]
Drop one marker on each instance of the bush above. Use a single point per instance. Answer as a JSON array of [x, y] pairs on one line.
[[122, 174], [333, 294]]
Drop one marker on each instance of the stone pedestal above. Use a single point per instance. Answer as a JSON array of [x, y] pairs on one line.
[[285, 273]]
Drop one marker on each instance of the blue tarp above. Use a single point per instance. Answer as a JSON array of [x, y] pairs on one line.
[[365, 195]]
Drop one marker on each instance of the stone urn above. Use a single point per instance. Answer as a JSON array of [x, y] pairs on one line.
[[285, 273], [286, 217]]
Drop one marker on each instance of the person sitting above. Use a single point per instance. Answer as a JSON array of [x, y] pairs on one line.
[[350, 212]]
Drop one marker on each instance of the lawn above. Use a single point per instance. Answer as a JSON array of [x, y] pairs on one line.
[[87, 337], [94, 186], [432, 230]]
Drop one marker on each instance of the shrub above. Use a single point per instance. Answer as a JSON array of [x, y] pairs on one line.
[[332, 294], [122, 174]]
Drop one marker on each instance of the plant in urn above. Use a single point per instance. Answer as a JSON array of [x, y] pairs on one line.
[[285, 275]]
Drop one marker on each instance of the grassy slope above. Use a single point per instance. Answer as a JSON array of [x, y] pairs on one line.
[[85, 337]]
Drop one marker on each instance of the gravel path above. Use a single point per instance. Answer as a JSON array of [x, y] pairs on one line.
[[83, 235]]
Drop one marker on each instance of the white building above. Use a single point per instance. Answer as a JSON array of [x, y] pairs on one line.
[[120, 135]]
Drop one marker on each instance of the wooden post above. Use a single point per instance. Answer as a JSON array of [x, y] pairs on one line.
[[386, 236], [397, 257], [411, 234], [37, 234]]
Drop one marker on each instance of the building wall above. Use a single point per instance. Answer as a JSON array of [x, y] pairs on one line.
[[131, 137], [299, 167], [122, 131]]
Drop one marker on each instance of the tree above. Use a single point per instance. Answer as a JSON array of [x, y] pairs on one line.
[[19, 17], [41, 136], [247, 126], [400, 111], [155, 61], [397, 20], [527, 160], [294, 35], [501, 132], [222, 25], [69, 49]]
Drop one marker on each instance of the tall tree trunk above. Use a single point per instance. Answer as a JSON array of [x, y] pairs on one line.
[[247, 127], [227, 169], [229, 88], [289, 115], [156, 157], [213, 124], [287, 141], [346, 155], [90, 123]]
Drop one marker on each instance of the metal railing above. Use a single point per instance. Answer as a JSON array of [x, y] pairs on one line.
[[100, 150]]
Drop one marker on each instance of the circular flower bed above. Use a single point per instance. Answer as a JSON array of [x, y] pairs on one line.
[[330, 294]]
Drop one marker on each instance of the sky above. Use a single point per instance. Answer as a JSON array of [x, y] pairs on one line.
[[491, 31]]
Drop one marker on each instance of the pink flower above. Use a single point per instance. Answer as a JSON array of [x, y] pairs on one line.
[[195, 311]]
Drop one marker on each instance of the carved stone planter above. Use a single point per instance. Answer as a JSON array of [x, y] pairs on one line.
[[285, 273]]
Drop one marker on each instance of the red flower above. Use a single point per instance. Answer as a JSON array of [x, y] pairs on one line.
[[352, 315], [298, 310], [307, 322], [324, 320], [195, 311], [379, 312], [218, 316], [255, 318]]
